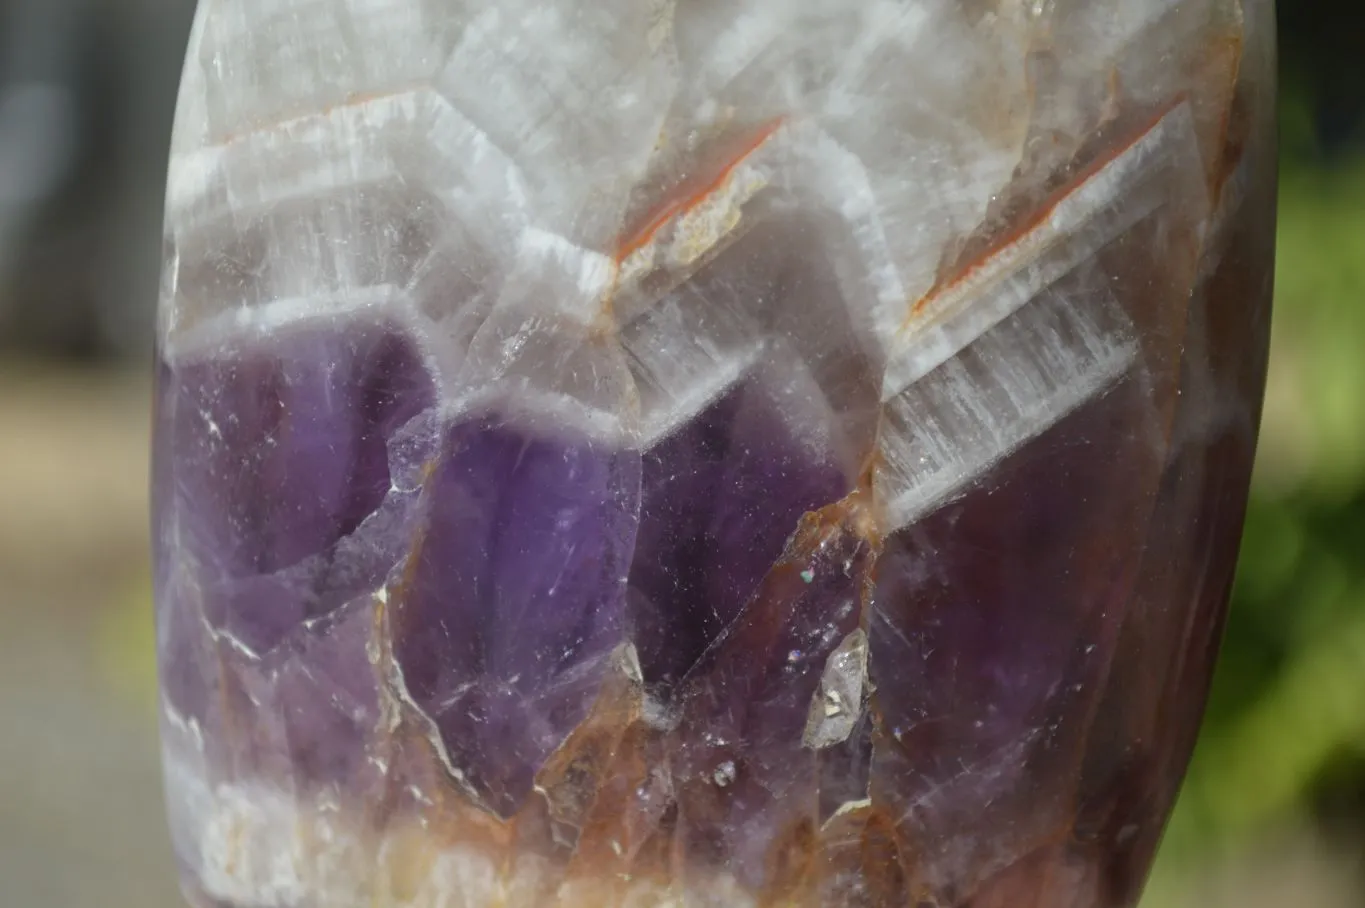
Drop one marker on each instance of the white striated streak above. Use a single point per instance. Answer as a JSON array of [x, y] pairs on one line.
[[409, 136], [575, 92], [551, 257], [668, 415], [263, 61], [1013, 384], [686, 351], [841, 182], [252, 843], [267, 320], [250, 852], [1084, 221]]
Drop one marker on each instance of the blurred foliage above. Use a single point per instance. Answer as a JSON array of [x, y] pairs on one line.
[[1284, 738]]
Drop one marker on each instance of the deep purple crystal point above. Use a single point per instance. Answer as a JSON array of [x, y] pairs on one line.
[[622, 454], [514, 596]]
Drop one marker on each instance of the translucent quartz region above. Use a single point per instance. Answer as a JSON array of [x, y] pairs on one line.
[[688, 453]]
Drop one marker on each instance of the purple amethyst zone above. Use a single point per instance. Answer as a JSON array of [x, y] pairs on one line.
[[991, 633], [516, 567], [721, 496], [514, 596], [275, 508], [277, 453]]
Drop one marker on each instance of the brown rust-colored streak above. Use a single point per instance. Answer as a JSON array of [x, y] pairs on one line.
[[850, 522], [852, 514], [863, 862], [792, 863], [682, 199], [883, 862], [1040, 214], [689, 195], [575, 774], [615, 827], [419, 538], [1233, 125], [400, 736]]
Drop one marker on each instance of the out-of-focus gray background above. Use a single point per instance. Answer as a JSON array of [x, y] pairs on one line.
[[1273, 813]]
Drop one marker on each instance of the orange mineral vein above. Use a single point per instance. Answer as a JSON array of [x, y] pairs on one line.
[[687, 195], [961, 273]]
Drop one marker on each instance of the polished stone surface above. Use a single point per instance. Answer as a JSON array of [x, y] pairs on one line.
[[645, 454]]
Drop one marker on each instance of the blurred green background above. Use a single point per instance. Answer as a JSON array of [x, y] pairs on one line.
[[1273, 811]]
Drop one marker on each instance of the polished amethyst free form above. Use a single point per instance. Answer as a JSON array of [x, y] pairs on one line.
[[690, 453]]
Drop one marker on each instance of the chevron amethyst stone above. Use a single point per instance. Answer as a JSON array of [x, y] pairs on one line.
[[683, 453]]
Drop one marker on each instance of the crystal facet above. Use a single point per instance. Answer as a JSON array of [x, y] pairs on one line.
[[680, 452]]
